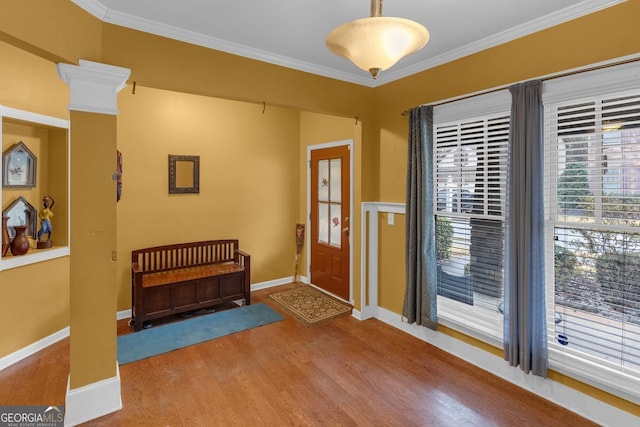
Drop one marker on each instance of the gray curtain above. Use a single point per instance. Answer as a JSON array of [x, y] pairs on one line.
[[525, 340], [420, 299]]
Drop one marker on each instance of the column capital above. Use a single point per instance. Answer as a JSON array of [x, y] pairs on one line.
[[94, 86]]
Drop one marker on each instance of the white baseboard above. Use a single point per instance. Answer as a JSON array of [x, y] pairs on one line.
[[567, 397], [124, 314], [27, 351], [356, 314], [93, 401], [272, 283]]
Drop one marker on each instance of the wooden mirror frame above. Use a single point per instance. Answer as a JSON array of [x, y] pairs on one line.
[[174, 188]]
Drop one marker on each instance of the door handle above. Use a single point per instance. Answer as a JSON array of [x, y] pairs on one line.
[[345, 230]]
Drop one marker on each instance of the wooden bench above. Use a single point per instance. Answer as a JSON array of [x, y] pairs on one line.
[[174, 279]]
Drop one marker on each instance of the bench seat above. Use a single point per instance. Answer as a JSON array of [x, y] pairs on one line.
[[173, 279], [189, 273]]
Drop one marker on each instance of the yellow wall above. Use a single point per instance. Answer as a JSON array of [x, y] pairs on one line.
[[56, 30], [391, 262], [249, 173], [154, 64], [35, 297], [57, 185], [35, 303], [168, 64], [30, 83]]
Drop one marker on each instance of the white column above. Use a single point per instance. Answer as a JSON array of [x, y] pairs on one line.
[[94, 88]]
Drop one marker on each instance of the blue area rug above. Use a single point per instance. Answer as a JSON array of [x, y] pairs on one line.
[[162, 339]]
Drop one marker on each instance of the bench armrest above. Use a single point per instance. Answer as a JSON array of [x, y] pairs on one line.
[[242, 258]]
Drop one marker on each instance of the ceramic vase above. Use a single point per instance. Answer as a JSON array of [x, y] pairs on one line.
[[20, 243]]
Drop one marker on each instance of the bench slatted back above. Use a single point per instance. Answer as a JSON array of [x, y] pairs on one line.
[[169, 257]]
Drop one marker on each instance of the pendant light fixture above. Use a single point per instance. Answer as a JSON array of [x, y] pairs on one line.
[[376, 43]]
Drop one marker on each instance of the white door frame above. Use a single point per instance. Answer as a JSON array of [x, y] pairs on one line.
[[310, 148]]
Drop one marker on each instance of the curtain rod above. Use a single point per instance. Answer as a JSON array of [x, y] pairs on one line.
[[597, 66]]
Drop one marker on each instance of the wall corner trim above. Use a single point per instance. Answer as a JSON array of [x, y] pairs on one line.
[[370, 211]]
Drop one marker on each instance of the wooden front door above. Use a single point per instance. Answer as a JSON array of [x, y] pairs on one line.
[[330, 219]]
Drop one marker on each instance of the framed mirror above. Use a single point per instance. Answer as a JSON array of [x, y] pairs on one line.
[[184, 174]]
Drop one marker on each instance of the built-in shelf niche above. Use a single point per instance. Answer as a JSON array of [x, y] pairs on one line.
[[48, 138]]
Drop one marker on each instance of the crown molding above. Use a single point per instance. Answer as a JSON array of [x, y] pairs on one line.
[[94, 7], [198, 39], [129, 21], [542, 23]]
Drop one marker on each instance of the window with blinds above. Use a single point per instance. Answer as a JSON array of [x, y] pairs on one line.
[[592, 221], [470, 164], [593, 244]]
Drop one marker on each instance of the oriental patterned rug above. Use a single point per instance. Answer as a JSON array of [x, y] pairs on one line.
[[310, 306]]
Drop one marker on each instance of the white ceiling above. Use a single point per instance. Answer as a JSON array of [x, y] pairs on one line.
[[291, 33]]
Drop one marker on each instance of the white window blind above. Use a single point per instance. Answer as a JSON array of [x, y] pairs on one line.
[[593, 233], [592, 217], [470, 161]]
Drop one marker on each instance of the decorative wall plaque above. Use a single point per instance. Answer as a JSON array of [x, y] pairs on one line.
[[19, 167]]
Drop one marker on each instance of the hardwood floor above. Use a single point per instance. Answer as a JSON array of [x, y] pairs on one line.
[[343, 373]]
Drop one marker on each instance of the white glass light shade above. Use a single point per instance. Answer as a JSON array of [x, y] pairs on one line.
[[376, 43]]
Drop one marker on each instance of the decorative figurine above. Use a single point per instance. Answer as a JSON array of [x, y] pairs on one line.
[[45, 215]]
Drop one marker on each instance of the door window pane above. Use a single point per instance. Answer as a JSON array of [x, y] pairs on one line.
[[335, 180], [336, 225], [323, 222], [329, 202], [323, 180]]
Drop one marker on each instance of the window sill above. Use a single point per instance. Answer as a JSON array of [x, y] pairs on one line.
[[470, 322], [595, 374]]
